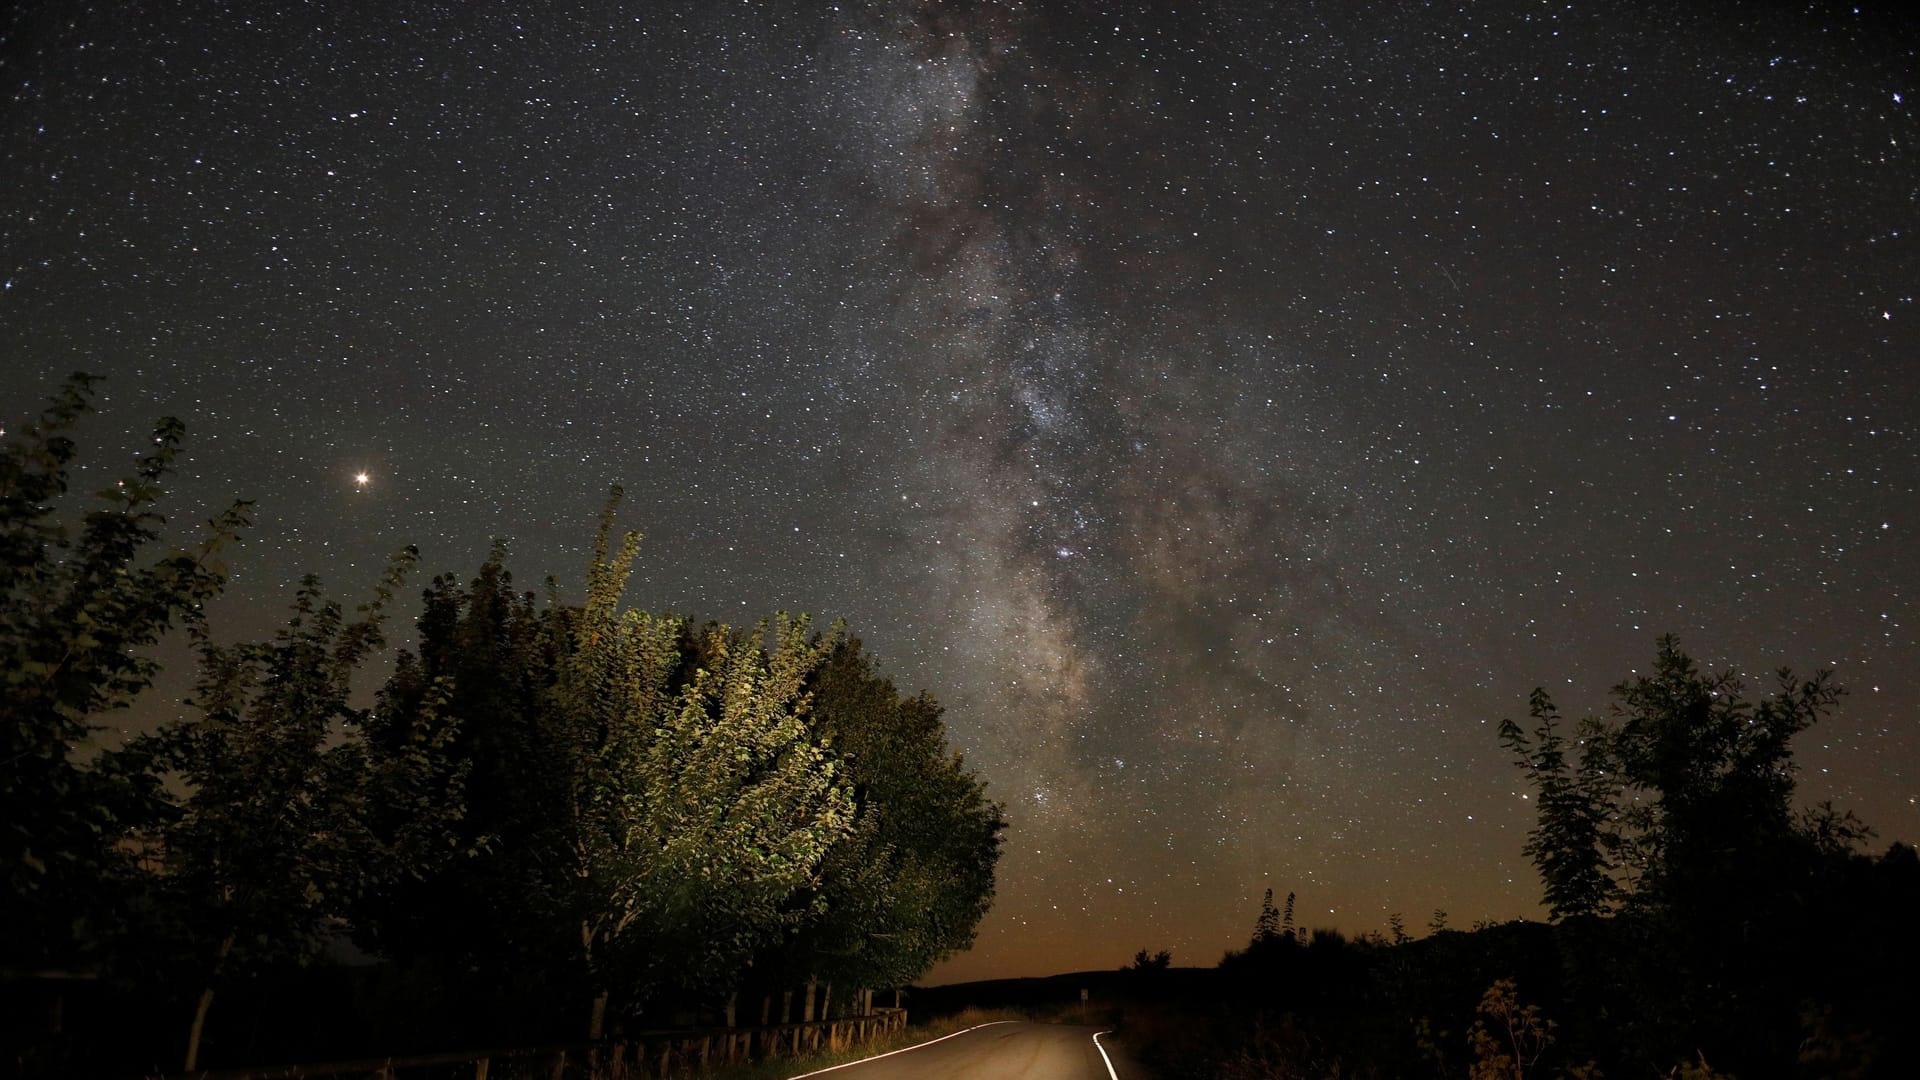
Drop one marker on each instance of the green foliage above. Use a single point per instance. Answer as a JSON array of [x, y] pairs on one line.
[[79, 610], [694, 815], [909, 883], [654, 807], [650, 800], [670, 805]]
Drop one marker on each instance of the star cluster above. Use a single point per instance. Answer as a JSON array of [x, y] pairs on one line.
[[1229, 416]]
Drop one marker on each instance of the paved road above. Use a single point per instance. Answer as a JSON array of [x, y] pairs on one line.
[[1009, 1051]]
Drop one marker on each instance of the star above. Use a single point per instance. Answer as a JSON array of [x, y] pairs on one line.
[[1275, 455]]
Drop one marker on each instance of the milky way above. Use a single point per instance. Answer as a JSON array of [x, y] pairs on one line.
[[1229, 417]]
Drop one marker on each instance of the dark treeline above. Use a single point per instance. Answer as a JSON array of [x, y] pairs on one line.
[[1702, 925], [553, 823]]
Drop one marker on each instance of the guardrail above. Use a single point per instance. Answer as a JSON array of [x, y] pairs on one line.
[[634, 1056]]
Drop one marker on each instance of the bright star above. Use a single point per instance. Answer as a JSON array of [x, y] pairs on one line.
[[361, 479]]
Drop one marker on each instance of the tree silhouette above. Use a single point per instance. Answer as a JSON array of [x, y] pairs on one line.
[[79, 609], [1570, 842], [1267, 927], [1150, 963], [286, 817], [1716, 770]]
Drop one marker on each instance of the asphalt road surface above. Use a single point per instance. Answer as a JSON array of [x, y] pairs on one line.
[[1006, 1051]]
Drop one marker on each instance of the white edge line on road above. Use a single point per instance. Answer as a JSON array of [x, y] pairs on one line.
[[915, 1046], [1103, 1054]]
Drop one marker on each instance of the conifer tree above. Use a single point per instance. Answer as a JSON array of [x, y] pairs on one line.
[[1266, 929]]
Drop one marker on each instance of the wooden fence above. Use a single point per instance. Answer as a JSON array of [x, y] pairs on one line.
[[643, 1054]]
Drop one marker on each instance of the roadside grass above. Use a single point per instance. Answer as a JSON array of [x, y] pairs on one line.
[[782, 1068]]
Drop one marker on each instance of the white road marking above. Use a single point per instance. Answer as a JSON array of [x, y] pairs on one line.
[[1103, 1054], [916, 1046]]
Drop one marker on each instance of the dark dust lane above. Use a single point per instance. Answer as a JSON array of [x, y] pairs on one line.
[[1009, 1051]]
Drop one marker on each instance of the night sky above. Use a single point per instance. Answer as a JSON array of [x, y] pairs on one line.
[[1230, 416]]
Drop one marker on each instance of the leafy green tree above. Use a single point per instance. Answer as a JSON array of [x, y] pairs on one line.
[[692, 817], [287, 818], [663, 806], [1571, 840], [909, 883], [79, 610]]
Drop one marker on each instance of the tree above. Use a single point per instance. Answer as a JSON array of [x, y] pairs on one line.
[[1685, 789], [486, 658], [1150, 963], [692, 817], [1266, 928], [286, 817], [1570, 842], [1398, 927], [1715, 770], [79, 612], [909, 883], [1687, 784], [664, 806]]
